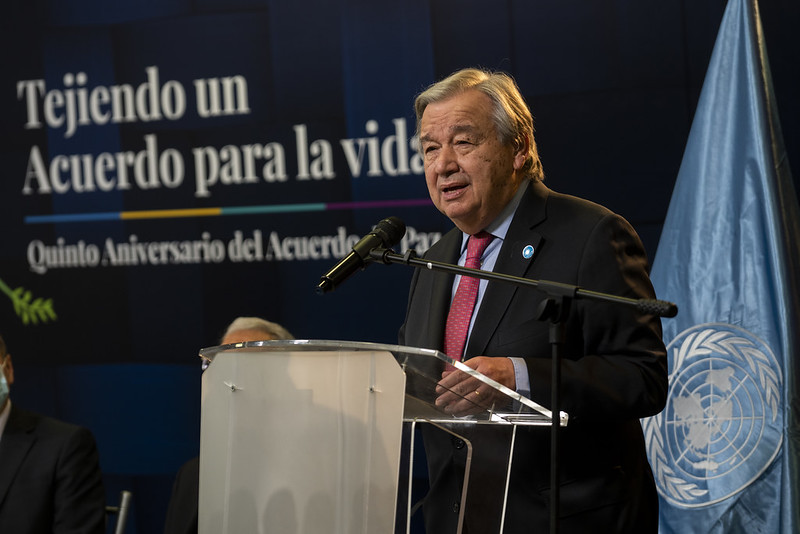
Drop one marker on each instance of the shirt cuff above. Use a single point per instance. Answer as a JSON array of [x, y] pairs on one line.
[[522, 377]]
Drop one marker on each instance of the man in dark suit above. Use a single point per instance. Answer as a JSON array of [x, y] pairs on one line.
[[50, 479], [483, 171]]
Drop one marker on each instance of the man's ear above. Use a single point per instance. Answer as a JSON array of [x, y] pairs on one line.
[[521, 152]]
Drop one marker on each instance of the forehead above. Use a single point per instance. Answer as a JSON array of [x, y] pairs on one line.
[[250, 334], [470, 110]]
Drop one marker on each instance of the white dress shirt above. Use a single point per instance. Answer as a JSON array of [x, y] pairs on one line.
[[498, 228]]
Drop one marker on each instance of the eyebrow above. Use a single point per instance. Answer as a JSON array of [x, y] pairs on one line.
[[455, 130]]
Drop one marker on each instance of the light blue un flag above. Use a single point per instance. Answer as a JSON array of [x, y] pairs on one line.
[[724, 451]]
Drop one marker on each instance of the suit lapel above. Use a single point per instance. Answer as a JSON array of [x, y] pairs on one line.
[[512, 260], [17, 440]]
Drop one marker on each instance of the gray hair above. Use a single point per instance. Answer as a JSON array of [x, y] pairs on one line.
[[511, 115], [274, 330]]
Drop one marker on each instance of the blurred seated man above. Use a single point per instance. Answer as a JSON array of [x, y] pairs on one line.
[[50, 479], [182, 510]]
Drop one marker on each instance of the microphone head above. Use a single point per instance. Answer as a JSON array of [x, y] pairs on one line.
[[386, 234], [390, 231]]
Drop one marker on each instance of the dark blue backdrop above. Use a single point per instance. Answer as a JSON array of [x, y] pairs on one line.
[[612, 85]]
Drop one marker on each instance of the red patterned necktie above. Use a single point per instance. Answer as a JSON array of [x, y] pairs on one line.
[[458, 319]]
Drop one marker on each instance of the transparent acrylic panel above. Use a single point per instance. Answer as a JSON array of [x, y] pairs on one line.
[[423, 368], [299, 440], [305, 435]]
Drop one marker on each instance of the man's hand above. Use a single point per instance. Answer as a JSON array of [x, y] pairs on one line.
[[461, 394]]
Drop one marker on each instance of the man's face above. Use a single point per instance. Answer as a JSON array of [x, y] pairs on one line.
[[471, 176]]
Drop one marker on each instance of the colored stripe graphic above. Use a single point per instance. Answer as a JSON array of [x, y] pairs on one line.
[[221, 211]]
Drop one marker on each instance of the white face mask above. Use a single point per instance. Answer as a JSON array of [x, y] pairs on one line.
[[3, 386]]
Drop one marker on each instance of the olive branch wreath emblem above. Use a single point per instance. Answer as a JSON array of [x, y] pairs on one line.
[[698, 344], [30, 310]]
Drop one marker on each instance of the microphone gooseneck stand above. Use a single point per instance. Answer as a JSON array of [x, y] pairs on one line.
[[555, 309]]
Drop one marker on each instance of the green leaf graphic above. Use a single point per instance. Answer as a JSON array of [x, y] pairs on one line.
[[30, 310]]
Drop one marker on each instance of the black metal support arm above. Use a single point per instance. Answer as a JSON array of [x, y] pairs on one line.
[[555, 309], [661, 308]]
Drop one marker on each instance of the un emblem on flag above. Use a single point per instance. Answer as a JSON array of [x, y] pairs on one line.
[[722, 425]]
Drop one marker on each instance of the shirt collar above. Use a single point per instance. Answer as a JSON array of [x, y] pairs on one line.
[[499, 226]]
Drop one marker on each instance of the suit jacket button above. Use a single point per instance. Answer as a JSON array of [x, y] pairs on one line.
[[456, 507], [458, 443]]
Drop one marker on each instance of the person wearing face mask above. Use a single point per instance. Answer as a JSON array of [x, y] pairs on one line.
[[50, 479]]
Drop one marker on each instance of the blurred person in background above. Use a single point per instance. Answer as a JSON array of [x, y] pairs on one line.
[[183, 504], [50, 479]]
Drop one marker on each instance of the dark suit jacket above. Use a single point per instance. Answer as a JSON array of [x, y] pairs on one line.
[[613, 373], [50, 479], [183, 505]]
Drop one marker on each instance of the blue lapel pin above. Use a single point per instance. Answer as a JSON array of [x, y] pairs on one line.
[[527, 252]]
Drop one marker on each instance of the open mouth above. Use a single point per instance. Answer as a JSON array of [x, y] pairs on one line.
[[453, 188]]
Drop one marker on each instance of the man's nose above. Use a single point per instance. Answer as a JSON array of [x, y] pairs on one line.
[[446, 163]]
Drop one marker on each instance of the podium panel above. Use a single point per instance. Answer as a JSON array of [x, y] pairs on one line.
[[300, 442], [305, 437]]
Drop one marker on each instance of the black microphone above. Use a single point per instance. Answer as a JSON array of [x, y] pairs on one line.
[[386, 234], [661, 308]]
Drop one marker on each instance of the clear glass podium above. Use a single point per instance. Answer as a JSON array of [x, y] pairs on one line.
[[304, 436]]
